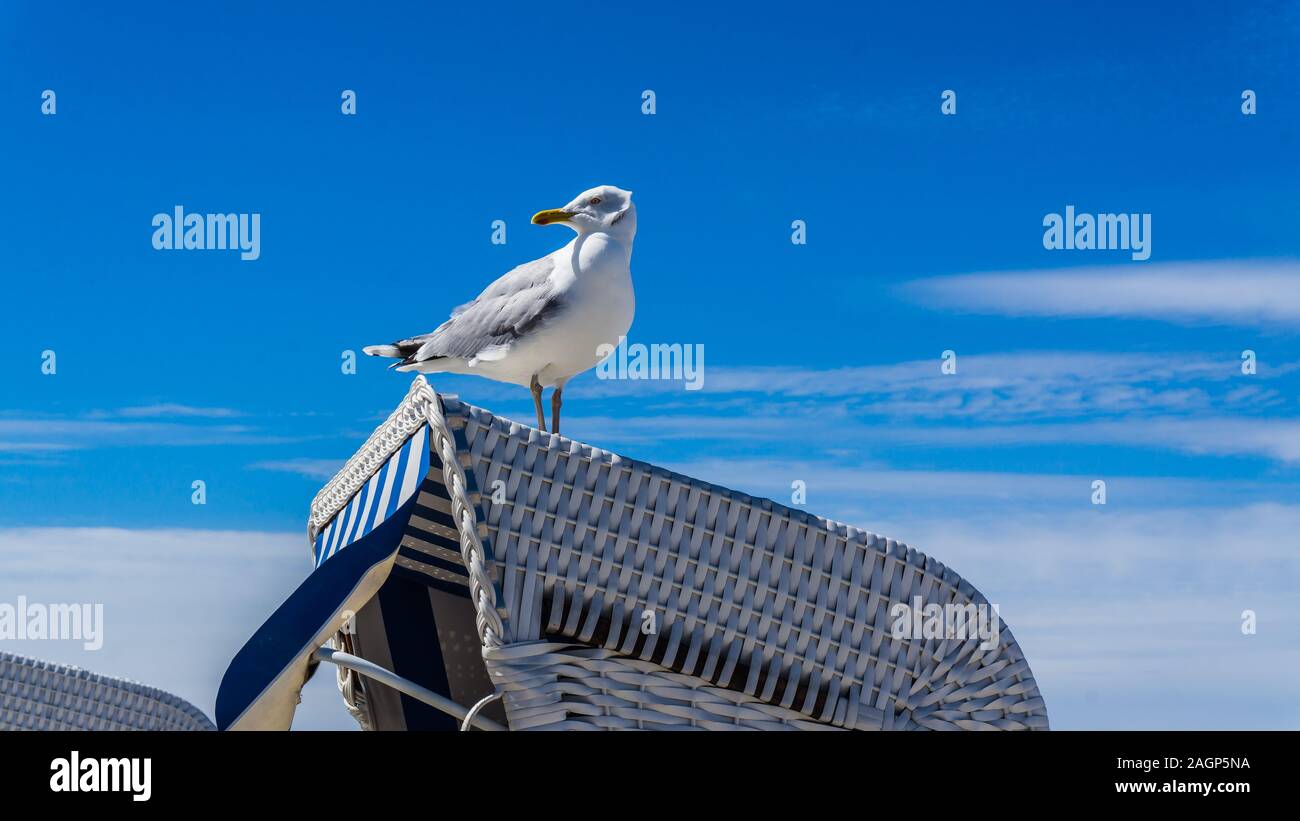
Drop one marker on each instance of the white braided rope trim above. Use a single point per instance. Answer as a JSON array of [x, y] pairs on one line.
[[383, 443], [483, 591], [420, 406], [350, 685]]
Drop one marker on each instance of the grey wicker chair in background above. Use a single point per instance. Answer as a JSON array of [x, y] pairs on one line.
[[41, 695]]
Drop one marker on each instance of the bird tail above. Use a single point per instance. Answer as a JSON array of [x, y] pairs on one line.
[[403, 350]]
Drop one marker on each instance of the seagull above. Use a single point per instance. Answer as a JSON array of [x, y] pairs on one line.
[[545, 321]]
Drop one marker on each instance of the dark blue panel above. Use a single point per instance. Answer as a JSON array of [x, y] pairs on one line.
[[292, 626], [414, 648]]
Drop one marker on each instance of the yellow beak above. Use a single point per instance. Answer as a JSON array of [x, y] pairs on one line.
[[551, 217]]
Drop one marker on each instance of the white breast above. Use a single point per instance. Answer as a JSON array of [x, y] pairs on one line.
[[599, 305]]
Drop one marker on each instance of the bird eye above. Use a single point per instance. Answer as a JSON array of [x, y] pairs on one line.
[[594, 201]]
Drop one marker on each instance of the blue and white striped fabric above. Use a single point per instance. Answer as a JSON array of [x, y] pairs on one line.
[[390, 488]]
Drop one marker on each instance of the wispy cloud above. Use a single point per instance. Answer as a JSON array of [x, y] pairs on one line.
[[1249, 545], [163, 424], [34, 446], [1236, 292], [1273, 439], [166, 410], [1200, 404], [308, 468], [52, 435], [834, 488], [993, 385], [1276, 439]]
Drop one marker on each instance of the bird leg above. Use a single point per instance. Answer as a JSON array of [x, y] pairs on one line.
[[536, 388], [555, 408]]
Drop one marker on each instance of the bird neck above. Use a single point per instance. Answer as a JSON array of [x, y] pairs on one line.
[[602, 250], [620, 234], [622, 229]]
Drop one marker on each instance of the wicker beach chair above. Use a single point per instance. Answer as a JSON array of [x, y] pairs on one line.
[[474, 571], [41, 695]]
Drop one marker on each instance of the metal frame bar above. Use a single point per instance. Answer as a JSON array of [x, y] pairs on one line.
[[410, 688]]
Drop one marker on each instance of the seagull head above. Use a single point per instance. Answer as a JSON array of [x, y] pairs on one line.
[[603, 208]]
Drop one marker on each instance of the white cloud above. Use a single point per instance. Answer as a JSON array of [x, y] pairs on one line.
[[997, 386], [1132, 619], [33, 447], [308, 468], [842, 490], [1277, 439], [1237, 292], [57, 434], [1198, 404], [178, 604], [1252, 546], [809, 427], [976, 370], [168, 409]]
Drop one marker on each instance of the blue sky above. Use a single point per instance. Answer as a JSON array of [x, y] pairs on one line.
[[822, 360]]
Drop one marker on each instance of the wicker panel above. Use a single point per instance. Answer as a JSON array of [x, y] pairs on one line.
[[550, 686], [40, 695], [747, 595]]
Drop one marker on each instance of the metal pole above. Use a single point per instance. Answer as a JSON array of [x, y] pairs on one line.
[[410, 688]]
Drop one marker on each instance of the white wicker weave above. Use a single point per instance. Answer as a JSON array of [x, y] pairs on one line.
[[761, 616], [41, 695]]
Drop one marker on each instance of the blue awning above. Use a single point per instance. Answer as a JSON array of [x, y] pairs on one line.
[[354, 553]]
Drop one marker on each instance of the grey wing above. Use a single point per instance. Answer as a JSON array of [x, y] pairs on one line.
[[509, 308]]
